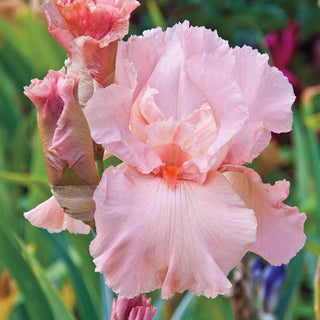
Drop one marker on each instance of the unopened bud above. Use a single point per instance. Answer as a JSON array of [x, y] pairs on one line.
[[66, 142]]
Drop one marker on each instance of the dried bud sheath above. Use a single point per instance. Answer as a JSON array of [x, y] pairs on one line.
[[76, 201]]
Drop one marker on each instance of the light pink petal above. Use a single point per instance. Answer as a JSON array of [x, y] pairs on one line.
[[205, 129], [161, 132], [166, 54], [280, 227], [177, 142], [133, 55], [49, 215], [102, 21], [75, 226], [188, 68], [224, 97], [154, 235], [108, 115], [177, 94], [169, 138], [268, 96], [144, 112], [194, 134]]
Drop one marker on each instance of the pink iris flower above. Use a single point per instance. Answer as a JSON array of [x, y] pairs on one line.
[[89, 30], [67, 148], [137, 308], [181, 210]]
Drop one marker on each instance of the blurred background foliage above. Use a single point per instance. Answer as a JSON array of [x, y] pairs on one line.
[[51, 276]]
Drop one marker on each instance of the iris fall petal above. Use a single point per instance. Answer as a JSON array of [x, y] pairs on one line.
[[50, 216], [280, 227], [176, 238]]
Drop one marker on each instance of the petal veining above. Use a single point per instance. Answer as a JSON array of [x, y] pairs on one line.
[[257, 79], [280, 227], [186, 236]]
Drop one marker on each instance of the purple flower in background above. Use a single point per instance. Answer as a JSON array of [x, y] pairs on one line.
[[273, 279], [267, 282], [257, 270], [283, 46]]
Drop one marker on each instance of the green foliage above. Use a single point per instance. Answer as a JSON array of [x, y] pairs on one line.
[[41, 298]]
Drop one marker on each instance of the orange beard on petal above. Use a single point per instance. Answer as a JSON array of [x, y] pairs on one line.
[[170, 173]]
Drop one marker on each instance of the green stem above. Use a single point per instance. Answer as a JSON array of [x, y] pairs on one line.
[[99, 164]]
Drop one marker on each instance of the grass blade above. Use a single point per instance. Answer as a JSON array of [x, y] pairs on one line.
[[41, 298]]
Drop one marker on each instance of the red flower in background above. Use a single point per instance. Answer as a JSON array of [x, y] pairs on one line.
[[283, 46], [316, 55]]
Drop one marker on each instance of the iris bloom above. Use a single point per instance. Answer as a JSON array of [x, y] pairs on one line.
[[181, 211], [267, 283], [137, 308], [89, 30], [68, 153]]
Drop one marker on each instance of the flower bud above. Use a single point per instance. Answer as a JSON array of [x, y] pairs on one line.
[[137, 308], [89, 31], [66, 142]]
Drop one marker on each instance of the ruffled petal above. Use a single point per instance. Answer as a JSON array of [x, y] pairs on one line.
[[144, 112], [280, 227], [89, 31], [50, 216], [57, 26], [102, 21], [154, 235], [224, 96], [133, 54], [268, 96], [166, 53], [108, 115]]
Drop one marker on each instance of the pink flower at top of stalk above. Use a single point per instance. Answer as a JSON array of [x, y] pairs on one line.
[[89, 30], [181, 210]]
